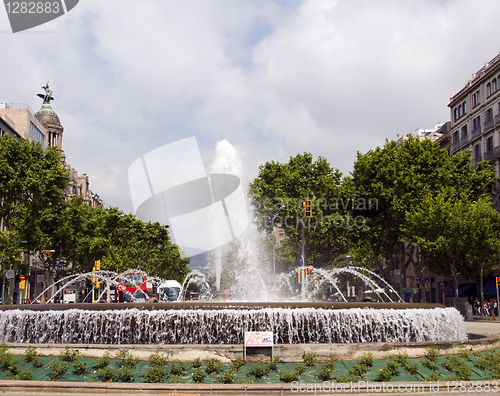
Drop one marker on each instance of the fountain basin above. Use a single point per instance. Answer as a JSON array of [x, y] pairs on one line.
[[225, 323]]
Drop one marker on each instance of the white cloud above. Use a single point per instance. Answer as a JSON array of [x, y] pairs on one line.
[[274, 79]]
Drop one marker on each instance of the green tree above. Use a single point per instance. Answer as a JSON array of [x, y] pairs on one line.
[[31, 184], [278, 194], [119, 240], [458, 236], [400, 176]]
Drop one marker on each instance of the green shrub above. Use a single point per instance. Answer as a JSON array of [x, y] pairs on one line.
[[24, 375], [57, 369], [386, 372], [214, 366], [457, 365], [259, 370], [103, 361], [326, 369], [358, 370], [366, 359], [432, 354], [3, 348], [411, 367], [324, 373], [178, 369], [29, 354], [330, 364], [106, 374], [126, 359], [237, 364], [9, 363], [286, 376], [402, 358], [158, 359], [197, 362], [434, 377], [124, 374], [429, 364], [309, 359], [155, 374], [68, 355], [227, 376], [345, 378], [272, 362], [300, 368], [198, 376], [80, 368]]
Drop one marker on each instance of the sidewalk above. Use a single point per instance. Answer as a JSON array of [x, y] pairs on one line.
[[360, 387]]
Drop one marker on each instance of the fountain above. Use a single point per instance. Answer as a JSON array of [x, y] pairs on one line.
[[259, 309]]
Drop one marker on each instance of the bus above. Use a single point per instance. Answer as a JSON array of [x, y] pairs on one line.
[[132, 283], [169, 291]]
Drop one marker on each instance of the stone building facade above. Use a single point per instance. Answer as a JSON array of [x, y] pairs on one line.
[[45, 127], [475, 118]]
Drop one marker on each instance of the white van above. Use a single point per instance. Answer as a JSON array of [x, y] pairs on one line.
[[169, 291]]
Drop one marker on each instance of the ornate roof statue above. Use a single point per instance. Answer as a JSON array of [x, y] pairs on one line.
[[47, 97], [46, 115]]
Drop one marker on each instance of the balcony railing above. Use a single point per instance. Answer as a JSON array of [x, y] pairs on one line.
[[464, 141], [488, 155], [496, 152], [497, 119], [488, 125], [455, 146], [476, 132]]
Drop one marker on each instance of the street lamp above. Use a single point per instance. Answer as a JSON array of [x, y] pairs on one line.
[[349, 260]]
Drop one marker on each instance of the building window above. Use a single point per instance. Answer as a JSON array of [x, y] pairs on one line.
[[494, 85], [475, 99], [455, 114], [36, 135], [464, 108], [455, 138], [489, 144], [476, 122], [488, 89], [464, 132], [489, 114]]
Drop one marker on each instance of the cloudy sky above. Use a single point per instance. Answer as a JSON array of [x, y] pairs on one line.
[[274, 78]]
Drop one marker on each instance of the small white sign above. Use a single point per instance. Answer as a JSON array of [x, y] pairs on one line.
[[258, 338], [9, 274]]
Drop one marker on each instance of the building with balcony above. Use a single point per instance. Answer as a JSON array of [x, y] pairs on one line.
[[475, 116]]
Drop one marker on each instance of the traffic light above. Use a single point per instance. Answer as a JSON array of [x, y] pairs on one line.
[[93, 276], [98, 265], [298, 275], [307, 209], [498, 282]]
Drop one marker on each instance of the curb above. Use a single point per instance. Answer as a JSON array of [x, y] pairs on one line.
[[250, 389]]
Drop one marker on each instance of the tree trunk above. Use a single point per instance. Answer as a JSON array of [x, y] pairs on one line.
[[482, 293]]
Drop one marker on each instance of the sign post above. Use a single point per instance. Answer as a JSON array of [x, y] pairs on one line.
[[254, 339]]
